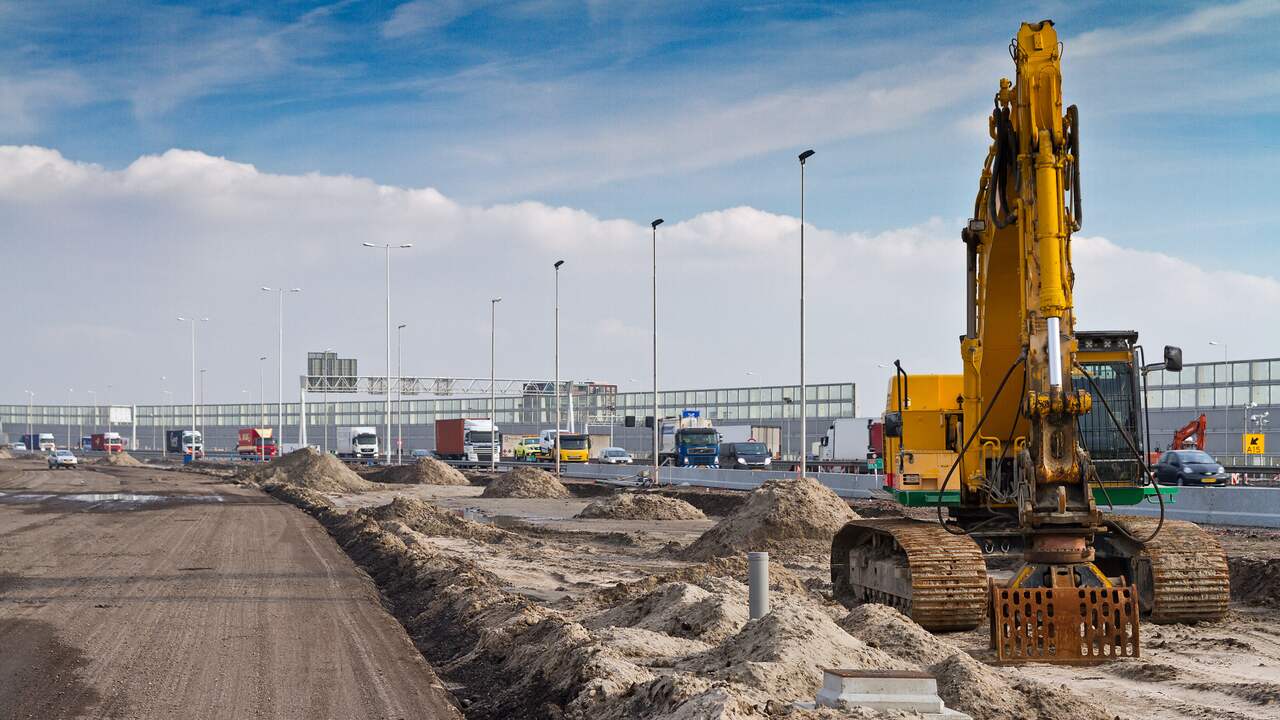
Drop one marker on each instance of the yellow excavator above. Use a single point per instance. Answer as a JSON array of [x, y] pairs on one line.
[[1039, 433]]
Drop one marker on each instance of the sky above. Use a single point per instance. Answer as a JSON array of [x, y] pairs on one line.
[[160, 159]]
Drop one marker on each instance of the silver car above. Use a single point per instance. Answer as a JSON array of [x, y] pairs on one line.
[[615, 456], [62, 459]]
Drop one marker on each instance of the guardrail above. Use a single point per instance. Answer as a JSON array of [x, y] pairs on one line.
[[1226, 505]]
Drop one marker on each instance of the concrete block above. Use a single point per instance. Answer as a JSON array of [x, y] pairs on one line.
[[885, 690]]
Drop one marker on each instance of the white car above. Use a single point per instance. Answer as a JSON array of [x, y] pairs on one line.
[[615, 456], [61, 459], [18, 447]]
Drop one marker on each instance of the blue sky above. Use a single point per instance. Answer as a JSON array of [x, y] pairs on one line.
[[485, 102], [577, 114]]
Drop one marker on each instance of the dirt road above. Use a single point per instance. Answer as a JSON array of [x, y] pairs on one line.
[[137, 593]]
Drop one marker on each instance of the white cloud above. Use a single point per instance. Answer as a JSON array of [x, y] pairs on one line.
[[26, 96], [417, 16], [184, 232]]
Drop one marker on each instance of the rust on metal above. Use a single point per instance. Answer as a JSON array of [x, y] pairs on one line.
[[934, 577], [1080, 626], [1189, 578]]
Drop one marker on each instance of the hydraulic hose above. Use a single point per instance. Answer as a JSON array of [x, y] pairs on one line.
[[1142, 465], [981, 421]]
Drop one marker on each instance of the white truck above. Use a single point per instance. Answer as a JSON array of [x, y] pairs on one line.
[[848, 439], [358, 443]]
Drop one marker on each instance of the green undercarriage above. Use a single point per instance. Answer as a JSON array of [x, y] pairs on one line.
[[1103, 495]]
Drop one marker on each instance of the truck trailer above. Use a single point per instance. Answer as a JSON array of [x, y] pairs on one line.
[[469, 439], [256, 442], [184, 442], [847, 442], [108, 442], [40, 442], [358, 443]]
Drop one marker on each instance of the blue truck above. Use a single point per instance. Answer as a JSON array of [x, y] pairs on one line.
[[689, 440]]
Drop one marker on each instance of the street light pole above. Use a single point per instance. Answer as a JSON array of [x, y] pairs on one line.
[[69, 391], [556, 445], [30, 397], [93, 424], [1226, 411], [202, 410], [786, 403], [657, 423], [164, 447], [193, 321], [388, 247], [279, 434], [494, 444], [804, 393], [399, 398]]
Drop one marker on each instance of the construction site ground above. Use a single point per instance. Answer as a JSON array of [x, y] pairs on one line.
[[247, 606], [131, 592]]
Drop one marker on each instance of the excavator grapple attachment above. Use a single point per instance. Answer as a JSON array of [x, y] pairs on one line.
[[1078, 626]]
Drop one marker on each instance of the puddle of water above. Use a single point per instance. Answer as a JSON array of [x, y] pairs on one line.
[[98, 498]]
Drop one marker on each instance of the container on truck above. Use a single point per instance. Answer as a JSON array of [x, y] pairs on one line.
[[40, 442], [689, 440], [847, 442], [184, 442], [256, 442], [86, 443], [359, 443], [108, 442], [469, 439]]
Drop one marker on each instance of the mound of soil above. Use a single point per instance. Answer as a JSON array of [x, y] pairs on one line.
[[308, 468], [1144, 671], [788, 517], [781, 580], [990, 694], [121, 459], [526, 483], [682, 610], [1255, 581], [633, 506], [784, 653], [426, 471], [5, 454], [882, 627], [428, 519]]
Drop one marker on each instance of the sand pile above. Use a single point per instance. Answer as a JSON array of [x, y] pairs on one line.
[[647, 647], [427, 519], [120, 459], [880, 626], [1143, 670], [790, 517], [309, 468], [526, 483], [5, 454], [784, 652], [1255, 581], [426, 471], [633, 506], [990, 694], [781, 580], [682, 610]]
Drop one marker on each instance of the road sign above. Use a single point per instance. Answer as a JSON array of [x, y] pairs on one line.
[[875, 464], [1255, 443]]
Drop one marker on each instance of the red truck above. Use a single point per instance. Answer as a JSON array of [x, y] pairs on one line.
[[256, 441], [107, 442]]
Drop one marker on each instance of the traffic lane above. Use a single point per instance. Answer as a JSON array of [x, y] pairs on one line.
[[238, 607]]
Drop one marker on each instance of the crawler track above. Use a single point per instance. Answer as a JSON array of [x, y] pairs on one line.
[[1188, 579], [936, 578]]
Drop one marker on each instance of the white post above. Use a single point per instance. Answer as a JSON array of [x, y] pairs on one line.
[[556, 445], [495, 445], [804, 393], [757, 585], [657, 421]]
